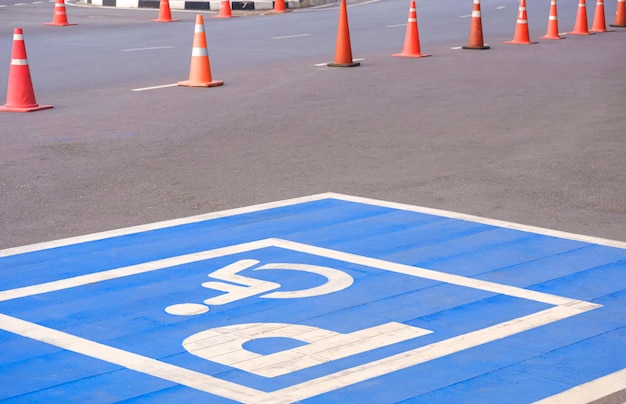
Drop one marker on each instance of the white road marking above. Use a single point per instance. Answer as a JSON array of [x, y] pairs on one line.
[[482, 220], [290, 36], [396, 25], [152, 88], [591, 391], [456, 47], [150, 48], [362, 4], [254, 208], [465, 16], [19, 4], [500, 7]]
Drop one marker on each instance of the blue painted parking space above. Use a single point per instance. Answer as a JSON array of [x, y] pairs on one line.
[[328, 298]]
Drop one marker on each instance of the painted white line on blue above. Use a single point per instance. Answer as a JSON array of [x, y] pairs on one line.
[[143, 49], [310, 198], [456, 47], [290, 36], [423, 354], [500, 7], [465, 16], [127, 271], [590, 391], [151, 88], [338, 255], [130, 360], [483, 220], [159, 225], [565, 307], [396, 25]]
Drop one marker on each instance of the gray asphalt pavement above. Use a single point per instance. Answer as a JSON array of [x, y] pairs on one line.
[[529, 134]]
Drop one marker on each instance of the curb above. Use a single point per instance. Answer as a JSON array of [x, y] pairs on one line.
[[209, 5]]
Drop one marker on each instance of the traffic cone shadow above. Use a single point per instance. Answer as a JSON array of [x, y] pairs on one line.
[[475, 40], [165, 14], [59, 17], [20, 93], [343, 50], [553, 24], [521, 36], [412, 38], [581, 27], [225, 11], [620, 14], [200, 68]]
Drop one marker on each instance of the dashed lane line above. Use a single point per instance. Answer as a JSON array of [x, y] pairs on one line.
[[291, 36], [149, 48], [155, 87]]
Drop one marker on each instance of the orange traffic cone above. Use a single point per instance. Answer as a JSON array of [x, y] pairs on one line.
[[279, 6], [476, 30], [165, 15], [521, 29], [225, 11], [20, 93], [412, 37], [580, 27], [343, 50], [599, 20], [620, 14], [60, 16], [200, 70], [553, 24]]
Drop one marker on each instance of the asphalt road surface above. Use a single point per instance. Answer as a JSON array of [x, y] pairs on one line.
[[527, 134], [530, 134]]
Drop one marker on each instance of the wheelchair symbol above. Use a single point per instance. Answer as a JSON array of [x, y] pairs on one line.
[[238, 287]]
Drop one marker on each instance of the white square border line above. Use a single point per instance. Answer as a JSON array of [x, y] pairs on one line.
[[564, 308], [597, 388]]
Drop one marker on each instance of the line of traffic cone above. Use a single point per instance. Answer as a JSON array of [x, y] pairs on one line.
[[599, 19], [475, 40], [521, 36], [225, 11], [553, 23], [165, 14], [343, 49], [20, 92], [412, 38], [200, 67], [59, 17], [581, 27], [620, 14]]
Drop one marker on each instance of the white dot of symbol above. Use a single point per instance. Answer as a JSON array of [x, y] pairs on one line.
[[186, 309]]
